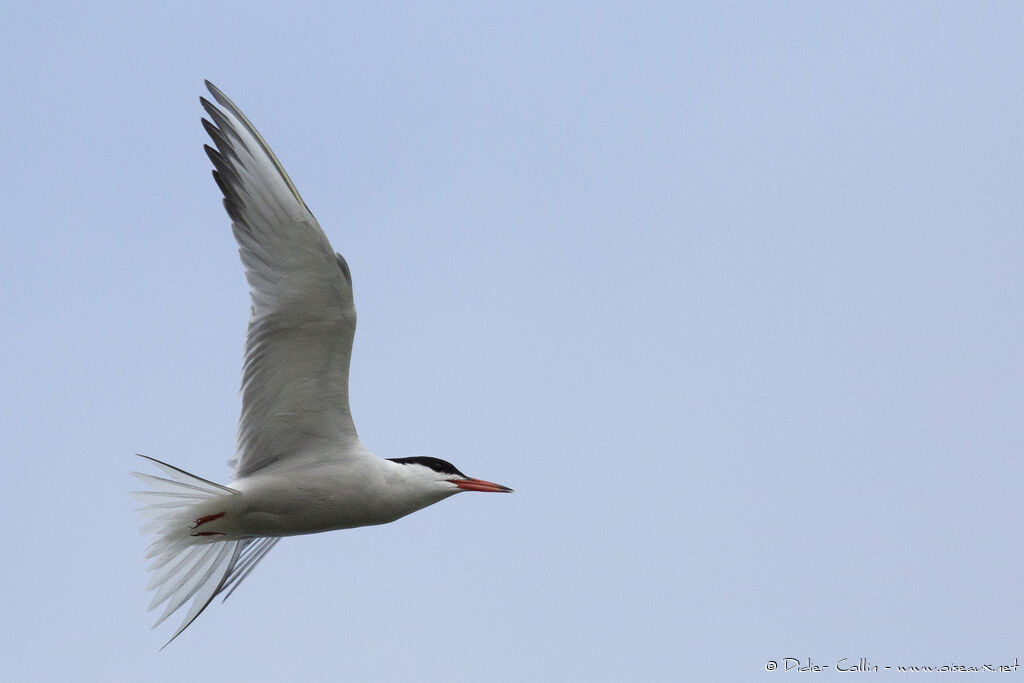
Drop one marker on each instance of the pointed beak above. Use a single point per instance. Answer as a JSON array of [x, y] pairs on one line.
[[469, 484]]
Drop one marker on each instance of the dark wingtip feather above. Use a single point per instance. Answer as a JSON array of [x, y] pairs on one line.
[[210, 108], [214, 155], [224, 188], [215, 91], [228, 174], [211, 130]]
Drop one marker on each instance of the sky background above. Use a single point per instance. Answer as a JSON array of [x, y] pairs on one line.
[[730, 293]]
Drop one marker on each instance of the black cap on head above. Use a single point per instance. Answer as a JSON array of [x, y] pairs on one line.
[[436, 464]]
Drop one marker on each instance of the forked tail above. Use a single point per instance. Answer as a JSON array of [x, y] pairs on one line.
[[187, 564]]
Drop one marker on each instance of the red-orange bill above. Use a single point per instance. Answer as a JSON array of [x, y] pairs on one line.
[[480, 485]]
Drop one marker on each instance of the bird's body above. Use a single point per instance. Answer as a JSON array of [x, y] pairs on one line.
[[299, 467], [321, 495]]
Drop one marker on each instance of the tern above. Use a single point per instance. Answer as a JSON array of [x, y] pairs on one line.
[[299, 467]]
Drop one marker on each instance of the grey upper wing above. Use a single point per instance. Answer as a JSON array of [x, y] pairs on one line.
[[299, 343]]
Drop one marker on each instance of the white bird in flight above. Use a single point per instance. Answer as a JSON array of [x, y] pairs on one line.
[[299, 467]]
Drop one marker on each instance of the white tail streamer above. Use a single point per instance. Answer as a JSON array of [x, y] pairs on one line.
[[185, 566]]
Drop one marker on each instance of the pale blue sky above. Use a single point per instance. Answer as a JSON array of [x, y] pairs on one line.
[[731, 295]]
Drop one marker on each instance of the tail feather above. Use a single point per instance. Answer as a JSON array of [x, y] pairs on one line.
[[247, 561], [204, 582], [187, 567], [169, 579]]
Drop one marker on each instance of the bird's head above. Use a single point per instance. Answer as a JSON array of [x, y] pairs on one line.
[[448, 476]]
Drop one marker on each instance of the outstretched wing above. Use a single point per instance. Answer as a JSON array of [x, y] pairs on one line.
[[299, 344]]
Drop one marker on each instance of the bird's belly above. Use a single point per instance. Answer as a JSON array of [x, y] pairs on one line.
[[308, 505]]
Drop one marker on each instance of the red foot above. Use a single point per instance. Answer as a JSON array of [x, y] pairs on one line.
[[207, 533], [203, 520]]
